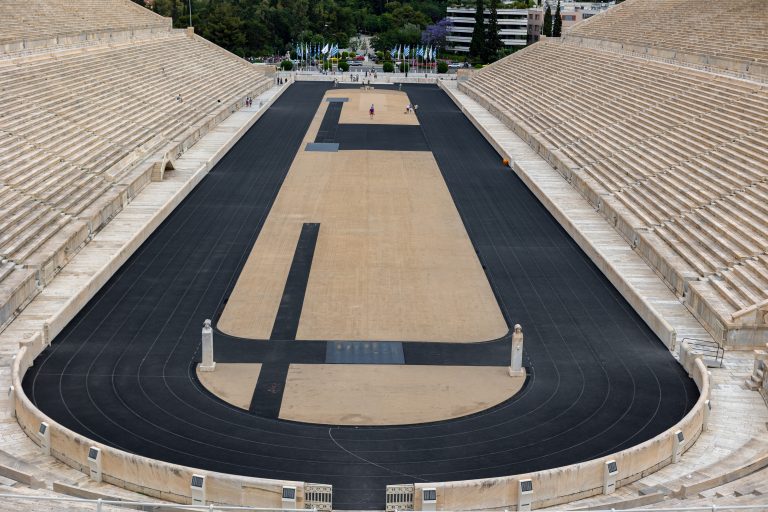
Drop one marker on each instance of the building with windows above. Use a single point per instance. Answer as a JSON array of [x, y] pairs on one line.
[[513, 27], [517, 27], [573, 12]]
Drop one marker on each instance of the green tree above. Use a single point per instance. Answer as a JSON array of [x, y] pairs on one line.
[[546, 29], [225, 28], [442, 66], [477, 47], [557, 23], [493, 44], [343, 66], [388, 67], [286, 65]]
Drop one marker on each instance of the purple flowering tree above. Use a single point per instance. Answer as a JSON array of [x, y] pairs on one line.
[[435, 34]]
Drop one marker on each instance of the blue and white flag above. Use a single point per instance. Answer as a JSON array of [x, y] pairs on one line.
[[334, 49], [420, 51], [325, 49], [434, 53], [393, 52], [300, 51], [407, 51]]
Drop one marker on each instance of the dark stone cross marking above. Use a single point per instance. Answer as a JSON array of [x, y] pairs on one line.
[[268, 394]]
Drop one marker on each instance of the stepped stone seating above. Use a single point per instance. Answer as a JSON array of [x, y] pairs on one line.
[[81, 133], [721, 35], [58, 24], [674, 158]]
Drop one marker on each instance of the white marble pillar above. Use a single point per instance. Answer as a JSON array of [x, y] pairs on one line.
[[516, 366], [208, 364]]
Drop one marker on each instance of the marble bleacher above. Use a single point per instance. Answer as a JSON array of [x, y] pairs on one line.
[[55, 24], [727, 36], [82, 132], [675, 158]]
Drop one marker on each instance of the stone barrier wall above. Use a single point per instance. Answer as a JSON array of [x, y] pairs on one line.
[[151, 477], [562, 485], [154, 478]]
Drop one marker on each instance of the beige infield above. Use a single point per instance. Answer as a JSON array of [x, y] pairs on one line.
[[392, 394], [371, 394], [389, 107], [232, 382], [393, 260]]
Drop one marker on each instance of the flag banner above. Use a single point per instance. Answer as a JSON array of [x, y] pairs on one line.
[[420, 51], [325, 49], [392, 52], [407, 51]]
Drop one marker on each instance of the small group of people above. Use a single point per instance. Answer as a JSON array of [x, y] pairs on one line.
[[248, 101], [372, 74], [410, 108], [281, 80]]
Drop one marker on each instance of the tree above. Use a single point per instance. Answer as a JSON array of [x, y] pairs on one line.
[[493, 44], [557, 24], [442, 66], [286, 65], [389, 67], [343, 66], [224, 28], [436, 33], [546, 29], [477, 47]]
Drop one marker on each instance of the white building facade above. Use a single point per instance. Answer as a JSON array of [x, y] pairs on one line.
[[513, 27]]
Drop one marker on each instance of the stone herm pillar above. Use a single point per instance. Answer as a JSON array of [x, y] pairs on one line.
[[516, 366], [208, 364]]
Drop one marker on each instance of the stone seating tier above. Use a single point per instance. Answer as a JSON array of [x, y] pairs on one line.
[[58, 24], [720, 35], [673, 157], [76, 127]]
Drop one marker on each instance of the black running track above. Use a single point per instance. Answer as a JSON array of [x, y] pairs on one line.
[[122, 372]]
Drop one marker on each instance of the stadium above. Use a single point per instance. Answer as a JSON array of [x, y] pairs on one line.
[[542, 284]]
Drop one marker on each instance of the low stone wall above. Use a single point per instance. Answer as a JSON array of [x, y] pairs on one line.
[[736, 67], [84, 38], [381, 78], [154, 478], [151, 477], [15, 293], [561, 485]]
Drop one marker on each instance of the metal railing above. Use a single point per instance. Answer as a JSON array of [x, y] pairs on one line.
[[102, 504], [708, 349]]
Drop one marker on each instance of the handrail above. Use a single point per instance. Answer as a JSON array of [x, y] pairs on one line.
[[145, 504], [707, 348], [211, 507]]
